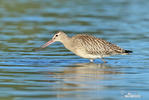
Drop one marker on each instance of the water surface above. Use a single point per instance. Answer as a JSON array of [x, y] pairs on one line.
[[56, 73]]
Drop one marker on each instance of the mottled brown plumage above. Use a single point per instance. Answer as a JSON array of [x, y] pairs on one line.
[[87, 46]]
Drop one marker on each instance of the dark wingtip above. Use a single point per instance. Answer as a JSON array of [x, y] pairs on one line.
[[128, 51]]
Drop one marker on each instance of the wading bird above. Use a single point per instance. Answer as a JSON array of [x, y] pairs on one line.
[[87, 46]]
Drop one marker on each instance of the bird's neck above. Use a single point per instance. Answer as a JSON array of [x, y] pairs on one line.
[[67, 41]]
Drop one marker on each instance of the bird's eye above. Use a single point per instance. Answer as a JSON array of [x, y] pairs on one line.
[[56, 35]]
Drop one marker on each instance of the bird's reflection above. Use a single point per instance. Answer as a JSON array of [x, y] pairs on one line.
[[82, 77], [85, 72]]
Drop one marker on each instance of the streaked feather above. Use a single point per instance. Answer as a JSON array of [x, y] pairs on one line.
[[95, 46]]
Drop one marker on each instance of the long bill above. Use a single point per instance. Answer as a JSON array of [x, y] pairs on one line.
[[46, 44]]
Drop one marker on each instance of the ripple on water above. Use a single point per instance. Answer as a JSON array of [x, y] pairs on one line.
[[56, 73]]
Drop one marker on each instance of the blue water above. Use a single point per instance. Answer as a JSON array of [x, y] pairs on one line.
[[55, 72]]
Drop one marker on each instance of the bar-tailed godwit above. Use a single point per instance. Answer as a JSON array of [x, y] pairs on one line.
[[87, 46]]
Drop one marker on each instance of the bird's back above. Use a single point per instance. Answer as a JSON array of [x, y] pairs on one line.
[[95, 46]]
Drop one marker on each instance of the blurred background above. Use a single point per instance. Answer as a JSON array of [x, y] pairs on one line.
[[56, 73]]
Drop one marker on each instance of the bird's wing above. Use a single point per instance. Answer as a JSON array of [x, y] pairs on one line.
[[94, 45]]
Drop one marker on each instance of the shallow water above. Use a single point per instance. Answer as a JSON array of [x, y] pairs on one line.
[[56, 73]]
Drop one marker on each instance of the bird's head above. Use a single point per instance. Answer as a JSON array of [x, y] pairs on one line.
[[59, 36]]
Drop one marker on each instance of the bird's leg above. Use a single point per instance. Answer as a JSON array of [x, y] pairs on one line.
[[91, 60], [103, 60]]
